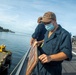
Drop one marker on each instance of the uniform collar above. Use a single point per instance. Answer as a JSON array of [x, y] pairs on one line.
[[58, 30], [56, 33]]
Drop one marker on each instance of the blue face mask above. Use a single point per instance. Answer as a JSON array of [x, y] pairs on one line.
[[49, 27]]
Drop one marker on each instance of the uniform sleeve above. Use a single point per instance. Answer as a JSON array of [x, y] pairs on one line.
[[36, 33], [66, 46]]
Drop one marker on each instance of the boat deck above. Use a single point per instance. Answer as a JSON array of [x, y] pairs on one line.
[[69, 68]]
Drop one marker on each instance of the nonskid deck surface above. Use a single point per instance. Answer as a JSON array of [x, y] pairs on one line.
[[69, 68]]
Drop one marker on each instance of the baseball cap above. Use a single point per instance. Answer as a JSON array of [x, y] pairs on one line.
[[48, 16]]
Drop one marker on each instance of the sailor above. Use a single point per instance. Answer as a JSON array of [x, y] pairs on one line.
[[39, 32], [56, 47]]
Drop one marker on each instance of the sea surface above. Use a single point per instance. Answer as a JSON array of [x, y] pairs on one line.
[[17, 43]]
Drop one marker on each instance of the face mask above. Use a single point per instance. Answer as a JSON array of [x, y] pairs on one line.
[[49, 27]]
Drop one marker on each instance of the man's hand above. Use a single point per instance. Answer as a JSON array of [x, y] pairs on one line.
[[32, 41], [35, 43], [44, 58]]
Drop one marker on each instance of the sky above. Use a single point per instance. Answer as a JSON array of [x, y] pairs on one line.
[[22, 15]]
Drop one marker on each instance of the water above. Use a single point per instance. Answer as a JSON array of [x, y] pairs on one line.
[[17, 43]]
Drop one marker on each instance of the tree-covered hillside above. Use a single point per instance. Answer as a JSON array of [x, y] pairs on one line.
[[5, 30]]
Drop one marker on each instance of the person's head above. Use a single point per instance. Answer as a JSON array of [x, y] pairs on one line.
[[39, 20], [49, 20]]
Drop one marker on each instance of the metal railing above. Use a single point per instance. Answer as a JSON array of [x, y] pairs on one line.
[[20, 64], [20, 67]]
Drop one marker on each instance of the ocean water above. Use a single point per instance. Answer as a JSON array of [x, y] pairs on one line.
[[17, 43]]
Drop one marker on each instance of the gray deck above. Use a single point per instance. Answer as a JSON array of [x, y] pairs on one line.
[[69, 68]]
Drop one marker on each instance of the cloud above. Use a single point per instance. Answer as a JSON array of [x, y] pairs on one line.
[[22, 14]]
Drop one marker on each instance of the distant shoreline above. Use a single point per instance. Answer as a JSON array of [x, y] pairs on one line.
[[5, 30]]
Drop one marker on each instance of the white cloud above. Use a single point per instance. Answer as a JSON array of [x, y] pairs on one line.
[[23, 14]]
